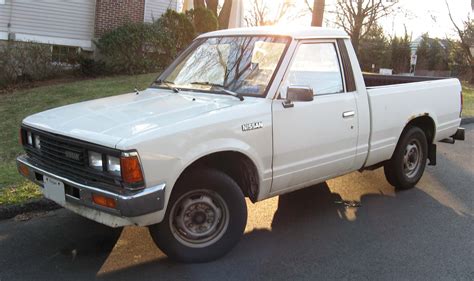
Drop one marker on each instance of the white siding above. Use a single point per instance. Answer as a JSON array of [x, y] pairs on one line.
[[155, 8], [48, 21], [4, 16]]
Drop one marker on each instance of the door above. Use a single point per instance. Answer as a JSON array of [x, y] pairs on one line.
[[314, 140]]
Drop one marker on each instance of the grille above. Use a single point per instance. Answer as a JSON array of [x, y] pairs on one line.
[[62, 153], [69, 159]]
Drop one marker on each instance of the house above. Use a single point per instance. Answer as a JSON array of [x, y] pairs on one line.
[[415, 44], [72, 25]]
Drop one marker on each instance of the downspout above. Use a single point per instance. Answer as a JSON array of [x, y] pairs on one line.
[[145, 12], [92, 31], [9, 24]]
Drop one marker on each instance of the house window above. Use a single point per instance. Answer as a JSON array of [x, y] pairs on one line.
[[64, 54]]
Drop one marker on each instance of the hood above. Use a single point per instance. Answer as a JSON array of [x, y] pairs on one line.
[[106, 121]]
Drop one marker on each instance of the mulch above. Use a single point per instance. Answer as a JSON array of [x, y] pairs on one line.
[[10, 211]]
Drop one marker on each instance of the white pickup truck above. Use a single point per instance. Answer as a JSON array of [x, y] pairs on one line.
[[252, 112]]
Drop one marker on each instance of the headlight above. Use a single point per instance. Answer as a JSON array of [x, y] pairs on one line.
[[29, 138], [127, 166], [37, 141], [95, 160], [113, 165]]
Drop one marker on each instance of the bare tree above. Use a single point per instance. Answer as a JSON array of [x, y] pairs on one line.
[[260, 14], [212, 5], [466, 37], [357, 17], [199, 3], [317, 11], [224, 14]]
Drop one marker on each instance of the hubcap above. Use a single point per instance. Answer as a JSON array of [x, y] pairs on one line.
[[412, 158], [199, 218]]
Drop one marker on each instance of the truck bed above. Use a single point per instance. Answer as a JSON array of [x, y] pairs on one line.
[[376, 80], [392, 107]]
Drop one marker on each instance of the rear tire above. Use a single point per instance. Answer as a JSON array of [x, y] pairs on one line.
[[408, 162], [205, 218]]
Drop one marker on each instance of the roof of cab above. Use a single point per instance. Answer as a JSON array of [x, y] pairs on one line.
[[295, 32]]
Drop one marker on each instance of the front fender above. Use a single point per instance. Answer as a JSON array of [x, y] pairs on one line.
[[166, 152]]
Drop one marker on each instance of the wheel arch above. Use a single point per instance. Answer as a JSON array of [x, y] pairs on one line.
[[425, 122], [237, 165], [428, 125]]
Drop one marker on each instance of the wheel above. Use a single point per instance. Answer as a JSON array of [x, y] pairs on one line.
[[408, 162], [205, 218]]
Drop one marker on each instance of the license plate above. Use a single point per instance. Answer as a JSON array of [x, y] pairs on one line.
[[54, 190]]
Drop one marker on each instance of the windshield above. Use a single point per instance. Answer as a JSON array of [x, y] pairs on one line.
[[241, 64]]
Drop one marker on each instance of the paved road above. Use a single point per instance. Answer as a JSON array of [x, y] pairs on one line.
[[426, 233]]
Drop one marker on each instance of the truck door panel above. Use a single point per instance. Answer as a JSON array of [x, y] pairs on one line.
[[314, 139]]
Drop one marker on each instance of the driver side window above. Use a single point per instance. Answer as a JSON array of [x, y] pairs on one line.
[[316, 65]]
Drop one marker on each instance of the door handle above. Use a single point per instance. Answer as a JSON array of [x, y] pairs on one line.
[[348, 114]]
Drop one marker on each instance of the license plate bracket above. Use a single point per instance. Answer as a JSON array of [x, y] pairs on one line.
[[54, 190]]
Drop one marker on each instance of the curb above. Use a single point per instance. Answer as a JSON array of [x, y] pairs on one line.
[[467, 120], [7, 212]]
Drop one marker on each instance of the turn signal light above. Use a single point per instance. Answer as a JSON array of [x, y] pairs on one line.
[[24, 170], [131, 169], [104, 201]]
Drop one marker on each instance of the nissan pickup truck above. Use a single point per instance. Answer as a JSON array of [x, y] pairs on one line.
[[251, 112]]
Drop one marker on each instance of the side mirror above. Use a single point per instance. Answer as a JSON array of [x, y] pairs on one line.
[[298, 93]]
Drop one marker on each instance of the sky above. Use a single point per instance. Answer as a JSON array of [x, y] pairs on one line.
[[428, 15], [419, 16]]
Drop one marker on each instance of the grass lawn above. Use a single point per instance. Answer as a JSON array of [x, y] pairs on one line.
[[468, 95], [16, 106]]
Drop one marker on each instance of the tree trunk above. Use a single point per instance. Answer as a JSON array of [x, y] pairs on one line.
[[318, 13], [199, 3], [212, 5], [356, 33], [224, 15], [472, 74], [355, 42]]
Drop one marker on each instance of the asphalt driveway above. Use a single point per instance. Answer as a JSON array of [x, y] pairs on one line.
[[426, 233]]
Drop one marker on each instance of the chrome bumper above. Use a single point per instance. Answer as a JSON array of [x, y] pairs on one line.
[[459, 135], [132, 204]]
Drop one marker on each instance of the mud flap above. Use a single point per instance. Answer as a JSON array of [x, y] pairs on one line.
[[459, 135], [432, 154]]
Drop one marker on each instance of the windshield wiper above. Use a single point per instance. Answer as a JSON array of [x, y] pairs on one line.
[[168, 84], [220, 88]]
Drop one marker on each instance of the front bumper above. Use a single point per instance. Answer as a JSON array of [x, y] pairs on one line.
[[130, 204]]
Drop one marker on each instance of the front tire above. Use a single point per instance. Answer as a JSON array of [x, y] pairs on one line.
[[205, 218], [408, 162]]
